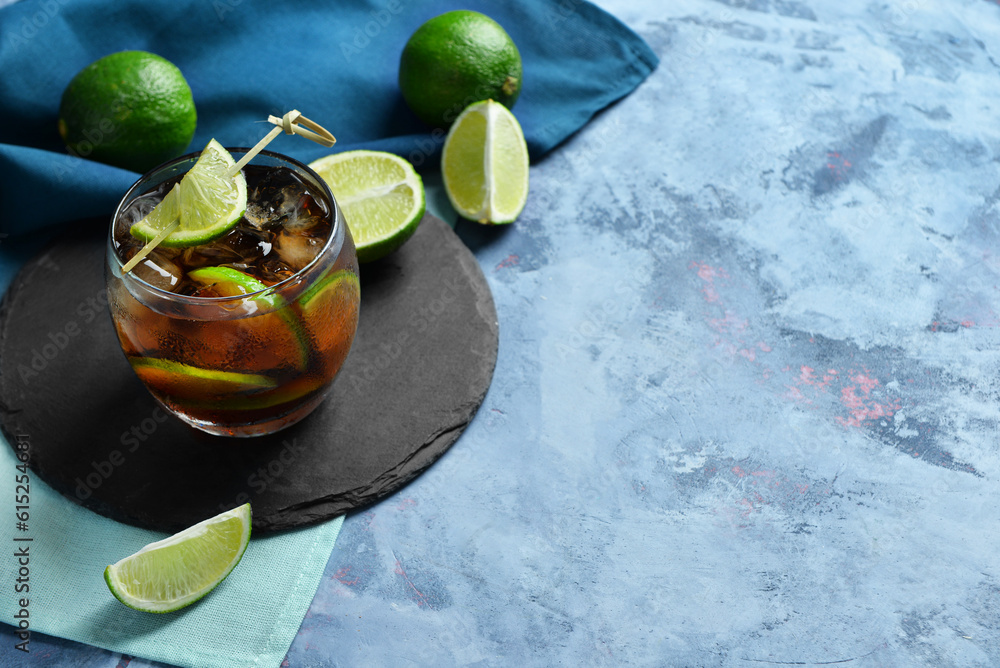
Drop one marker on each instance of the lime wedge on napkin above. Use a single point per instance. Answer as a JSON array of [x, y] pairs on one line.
[[485, 164], [381, 195], [208, 202], [175, 572]]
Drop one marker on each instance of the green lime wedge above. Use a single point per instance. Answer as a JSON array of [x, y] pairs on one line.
[[183, 380], [229, 282], [484, 164], [175, 572], [382, 198], [209, 202]]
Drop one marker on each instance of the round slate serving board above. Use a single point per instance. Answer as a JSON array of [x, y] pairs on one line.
[[420, 366]]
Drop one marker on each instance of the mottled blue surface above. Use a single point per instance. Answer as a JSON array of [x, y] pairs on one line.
[[745, 409]]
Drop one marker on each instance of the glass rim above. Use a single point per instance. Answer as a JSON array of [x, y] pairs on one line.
[[294, 279]]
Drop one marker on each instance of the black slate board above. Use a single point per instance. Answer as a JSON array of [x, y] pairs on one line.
[[420, 366]]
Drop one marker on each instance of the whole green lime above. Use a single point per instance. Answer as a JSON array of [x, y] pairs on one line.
[[130, 109], [456, 59]]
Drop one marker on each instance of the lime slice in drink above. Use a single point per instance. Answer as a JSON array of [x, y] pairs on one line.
[[382, 198], [181, 380], [292, 391], [209, 202], [341, 282], [330, 310], [175, 572], [485, 164], [229, 282], [219, 390]]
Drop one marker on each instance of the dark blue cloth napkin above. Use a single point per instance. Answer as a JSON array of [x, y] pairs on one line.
[[336, 62]]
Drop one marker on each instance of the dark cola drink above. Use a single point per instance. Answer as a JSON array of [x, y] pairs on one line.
[[242, 335]]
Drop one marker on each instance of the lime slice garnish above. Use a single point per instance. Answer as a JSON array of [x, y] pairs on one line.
[[382, 198], [209, 204], [485, 164], [229, 282], [175, 572], [184, 380]]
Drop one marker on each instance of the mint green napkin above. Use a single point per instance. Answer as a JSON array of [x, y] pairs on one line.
[[248, 620]]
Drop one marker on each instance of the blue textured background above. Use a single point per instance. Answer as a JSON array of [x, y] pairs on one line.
[[745, 408]]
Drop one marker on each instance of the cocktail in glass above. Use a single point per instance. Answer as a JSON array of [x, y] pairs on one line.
[[242, 335]]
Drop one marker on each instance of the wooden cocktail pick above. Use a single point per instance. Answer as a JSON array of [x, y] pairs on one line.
[[291, 123], [155, 241]]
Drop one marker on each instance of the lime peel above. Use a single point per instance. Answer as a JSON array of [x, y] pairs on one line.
[[484, 164], [172, 573], [454, 59], [142, 105]]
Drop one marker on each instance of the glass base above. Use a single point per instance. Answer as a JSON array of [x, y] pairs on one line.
[[250, 430]]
